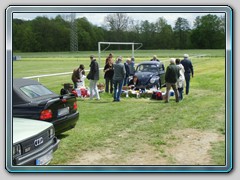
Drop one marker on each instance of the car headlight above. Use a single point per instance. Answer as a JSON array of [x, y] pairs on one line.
[[51, 132], [17, 150], [153, 80]]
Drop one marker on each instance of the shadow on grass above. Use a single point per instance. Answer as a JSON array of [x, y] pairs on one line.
[[62, 136], [101, 101]]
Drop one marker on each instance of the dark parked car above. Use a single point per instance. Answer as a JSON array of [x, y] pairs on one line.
[[32, 100], [33, 142], [150, 74]]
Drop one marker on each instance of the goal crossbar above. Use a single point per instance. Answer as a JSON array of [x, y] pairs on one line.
[[117, 43]]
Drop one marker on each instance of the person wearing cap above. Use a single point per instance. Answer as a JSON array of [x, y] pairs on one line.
[[171, 77], [118, 77], [188, 67], [77, 75], [93, 77]]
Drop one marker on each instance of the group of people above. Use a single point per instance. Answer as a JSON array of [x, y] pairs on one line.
[[176, 74], [109, 72], [116, 75]]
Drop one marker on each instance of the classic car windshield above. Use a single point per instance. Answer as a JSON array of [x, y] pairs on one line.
[[147, 68], [34, 91]]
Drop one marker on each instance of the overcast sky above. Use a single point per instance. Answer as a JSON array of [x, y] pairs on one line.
[[98, 18]]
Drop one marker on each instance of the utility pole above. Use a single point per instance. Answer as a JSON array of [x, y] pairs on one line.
[[73, 33]]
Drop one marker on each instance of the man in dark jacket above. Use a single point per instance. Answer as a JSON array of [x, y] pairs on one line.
[[93, 77], [171, 77], [188, 67]]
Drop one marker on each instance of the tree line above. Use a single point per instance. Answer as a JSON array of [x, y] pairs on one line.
[[44, 34]]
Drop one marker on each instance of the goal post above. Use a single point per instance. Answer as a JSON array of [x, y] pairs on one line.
[[117, 43]]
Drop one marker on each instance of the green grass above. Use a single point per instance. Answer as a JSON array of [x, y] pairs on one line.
[[132, 124]]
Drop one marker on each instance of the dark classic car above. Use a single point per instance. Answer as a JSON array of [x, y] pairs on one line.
[[33, 142], [32, 100], [151, 74]]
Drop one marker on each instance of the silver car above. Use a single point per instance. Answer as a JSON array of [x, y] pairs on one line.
[[33, 142]]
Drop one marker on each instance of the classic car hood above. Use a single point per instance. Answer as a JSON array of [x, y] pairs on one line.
[[144, 77], [26, 128]]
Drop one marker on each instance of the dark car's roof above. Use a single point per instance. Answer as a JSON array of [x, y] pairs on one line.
[[19, 97], [151, 62]]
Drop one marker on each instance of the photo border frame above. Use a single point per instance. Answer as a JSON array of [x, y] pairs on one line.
[[121, 9]]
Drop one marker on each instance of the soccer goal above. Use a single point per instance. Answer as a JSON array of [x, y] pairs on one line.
[[139, 45]]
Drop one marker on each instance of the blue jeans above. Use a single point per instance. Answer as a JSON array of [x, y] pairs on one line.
[[180, 92], [117, 89]]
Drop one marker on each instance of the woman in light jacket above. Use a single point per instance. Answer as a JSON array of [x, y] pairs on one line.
[[181, 79]]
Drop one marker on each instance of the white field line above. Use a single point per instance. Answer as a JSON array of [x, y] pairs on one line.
[[66, 73], [49, 75]]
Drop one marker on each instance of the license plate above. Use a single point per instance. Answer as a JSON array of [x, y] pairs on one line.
[[44, 160], [63, 111]]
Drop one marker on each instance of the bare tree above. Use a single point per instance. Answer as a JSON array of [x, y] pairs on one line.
[[118, 21]]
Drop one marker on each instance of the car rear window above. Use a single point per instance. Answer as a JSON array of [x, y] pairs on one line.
[[34, 91]]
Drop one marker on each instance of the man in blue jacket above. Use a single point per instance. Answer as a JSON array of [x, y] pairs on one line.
[[188, 67]]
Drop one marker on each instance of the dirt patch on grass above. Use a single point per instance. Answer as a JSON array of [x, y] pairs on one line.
[[183, 147], [191, 147]]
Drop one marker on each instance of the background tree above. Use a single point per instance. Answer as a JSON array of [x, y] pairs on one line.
[[208, 32], [117, 24], [147, 31], [181, 34], [164, 39], [43, 34]]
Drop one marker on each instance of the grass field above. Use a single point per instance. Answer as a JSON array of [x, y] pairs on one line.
[[140, 131]]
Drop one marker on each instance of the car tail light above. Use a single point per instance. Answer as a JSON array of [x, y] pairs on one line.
[[75, 105], [75, 93], [46, 114]]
